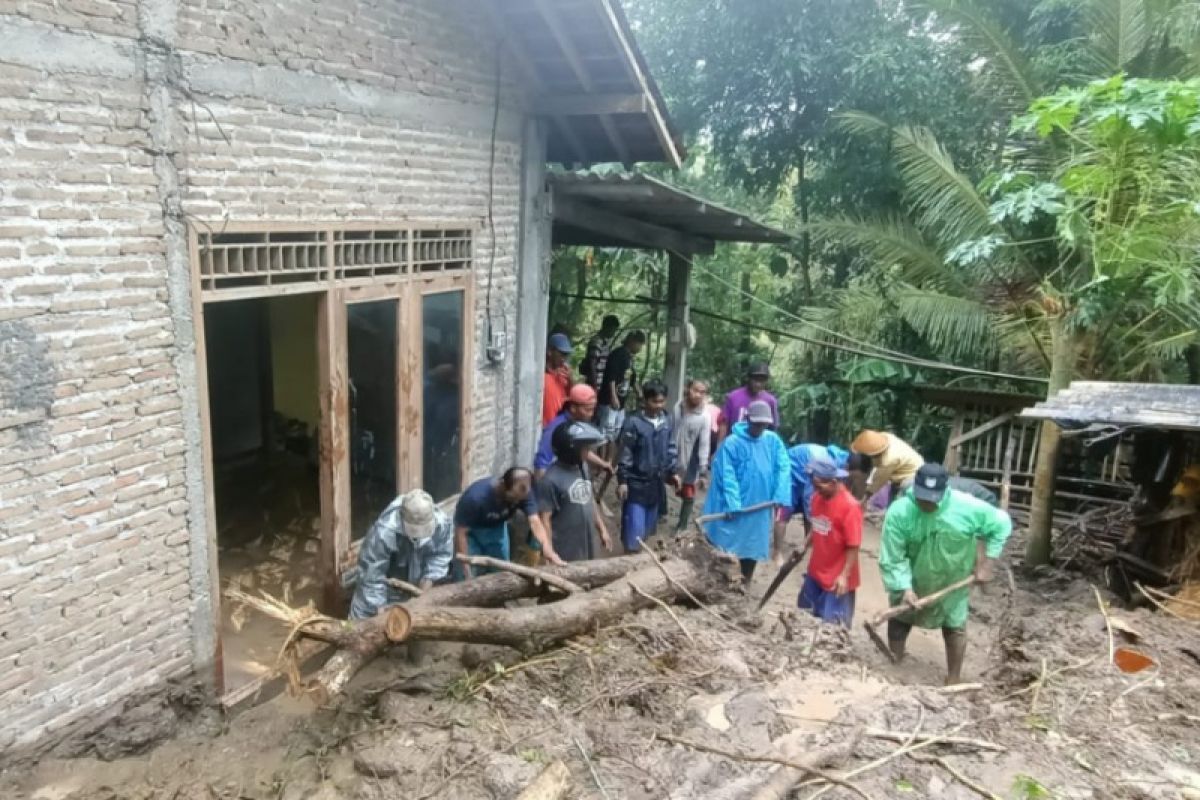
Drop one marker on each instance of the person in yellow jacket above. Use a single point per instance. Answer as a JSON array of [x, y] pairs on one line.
[[935, 536], [893, 461]]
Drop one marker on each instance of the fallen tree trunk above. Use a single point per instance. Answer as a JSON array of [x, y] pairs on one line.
[[779, 786], [700, 573], [360, 641]]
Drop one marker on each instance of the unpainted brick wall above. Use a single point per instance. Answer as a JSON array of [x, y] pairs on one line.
[[95, 591], [93, 544]]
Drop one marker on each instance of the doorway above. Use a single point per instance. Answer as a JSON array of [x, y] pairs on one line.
[[264, 411]]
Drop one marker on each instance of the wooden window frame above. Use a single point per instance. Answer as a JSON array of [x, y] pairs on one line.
[[337, 553]]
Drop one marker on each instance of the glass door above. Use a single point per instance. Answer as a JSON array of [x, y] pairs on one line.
[[372, 336], [441, 391]]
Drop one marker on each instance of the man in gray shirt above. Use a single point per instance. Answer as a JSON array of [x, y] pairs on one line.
[[413, 541], [565, 501]]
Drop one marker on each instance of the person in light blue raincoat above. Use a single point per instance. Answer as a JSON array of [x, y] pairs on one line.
[[802, 486], [751, 467]]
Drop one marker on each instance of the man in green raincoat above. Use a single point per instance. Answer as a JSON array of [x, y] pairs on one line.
[[934, 536]]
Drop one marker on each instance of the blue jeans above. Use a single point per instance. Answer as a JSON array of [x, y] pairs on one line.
[[637, 522], [491, 542]]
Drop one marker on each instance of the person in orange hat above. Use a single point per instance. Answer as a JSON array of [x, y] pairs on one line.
[[579, 407], [893, 461]]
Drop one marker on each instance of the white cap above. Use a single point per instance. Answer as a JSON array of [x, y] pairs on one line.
[[416, 511]]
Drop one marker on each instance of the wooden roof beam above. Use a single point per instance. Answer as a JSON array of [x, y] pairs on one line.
[[627, 229], [573, 105], [581, 75]]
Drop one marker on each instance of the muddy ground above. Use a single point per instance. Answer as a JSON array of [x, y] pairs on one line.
[[1054, 716]]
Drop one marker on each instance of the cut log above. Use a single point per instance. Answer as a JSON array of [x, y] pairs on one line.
[[701, 572], [360, 641], [552, 783]]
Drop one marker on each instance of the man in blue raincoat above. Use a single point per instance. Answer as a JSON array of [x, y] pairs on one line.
[[802, 486], [752, 467]]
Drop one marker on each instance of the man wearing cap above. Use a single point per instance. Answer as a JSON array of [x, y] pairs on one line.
[[934, 536], [803, 489], [412, 541], [832, 578], [580, 407], [752, 467], [893, 462], [556, 381], [737, 402]]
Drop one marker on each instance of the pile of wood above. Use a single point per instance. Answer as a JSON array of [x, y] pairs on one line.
[[573, 599]]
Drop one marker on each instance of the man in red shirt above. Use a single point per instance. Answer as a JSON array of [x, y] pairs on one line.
[[556, 382], [832, 579]]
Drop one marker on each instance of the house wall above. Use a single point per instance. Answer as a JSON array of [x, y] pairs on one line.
[[121, 124]]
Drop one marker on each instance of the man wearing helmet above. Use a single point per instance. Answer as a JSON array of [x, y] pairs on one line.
[[412, 541], [566, 505]]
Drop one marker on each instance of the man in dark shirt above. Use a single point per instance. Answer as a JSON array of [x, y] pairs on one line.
[[598, 349], [648, 460], [482, 514], [565, 494]]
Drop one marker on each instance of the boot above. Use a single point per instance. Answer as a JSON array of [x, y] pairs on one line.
[[897, 648], [956, 650], [685, 514]]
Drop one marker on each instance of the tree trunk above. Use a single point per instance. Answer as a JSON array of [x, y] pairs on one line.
[[702, 573], [781, 783], [1064, 344], [805, 234], [361, 641]]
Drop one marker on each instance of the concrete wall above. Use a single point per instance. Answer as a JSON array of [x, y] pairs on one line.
[[120, 124]]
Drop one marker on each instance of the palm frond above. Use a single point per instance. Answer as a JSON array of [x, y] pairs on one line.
[[1010, 66], [892, 241], [1120, 32], [957, 328], [945, 199]]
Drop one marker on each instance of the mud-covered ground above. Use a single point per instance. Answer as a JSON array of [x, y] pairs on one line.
[[1052, 717]]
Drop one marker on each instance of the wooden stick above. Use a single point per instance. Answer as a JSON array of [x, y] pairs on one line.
[[922, 602], [958, 776], [961, 741], [747, 510], [664, 607], [1159, 604], [804, 765], [552, 783], [536, 575], [404, 586], [959, 688], [1112, 647]]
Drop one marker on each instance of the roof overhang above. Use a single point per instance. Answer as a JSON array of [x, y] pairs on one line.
[[589, 80], [632, 210], [1122, 405]]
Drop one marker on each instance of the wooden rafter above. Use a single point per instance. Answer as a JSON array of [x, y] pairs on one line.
[[582, 76]]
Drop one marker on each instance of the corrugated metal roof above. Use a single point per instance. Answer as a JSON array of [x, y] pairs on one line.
[[648, 200], [1148, 405], [581, 51]]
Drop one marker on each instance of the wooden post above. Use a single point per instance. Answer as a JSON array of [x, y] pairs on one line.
[[678, 288], [1006, 475], [334, 450], [952, 449]]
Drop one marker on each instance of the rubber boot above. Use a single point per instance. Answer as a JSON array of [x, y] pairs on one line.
[[897, 648], [956, 650], [685, 513]]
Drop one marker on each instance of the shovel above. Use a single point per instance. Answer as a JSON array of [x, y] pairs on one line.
[[792, 562], [928, 600]]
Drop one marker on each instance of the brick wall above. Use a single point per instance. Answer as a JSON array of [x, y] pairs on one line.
[[98, 575], [93, 545]]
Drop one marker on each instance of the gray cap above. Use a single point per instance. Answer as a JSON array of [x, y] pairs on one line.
[[759, 411], [416, 511]]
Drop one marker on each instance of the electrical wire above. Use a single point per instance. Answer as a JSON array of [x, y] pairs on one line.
[[872, 350], [909, 360], [491, 199]]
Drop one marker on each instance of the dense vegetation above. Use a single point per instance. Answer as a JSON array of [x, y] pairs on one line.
[[1008, 186]]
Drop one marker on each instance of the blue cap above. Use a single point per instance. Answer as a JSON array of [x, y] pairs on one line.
[[561, 343], [825, 468]]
